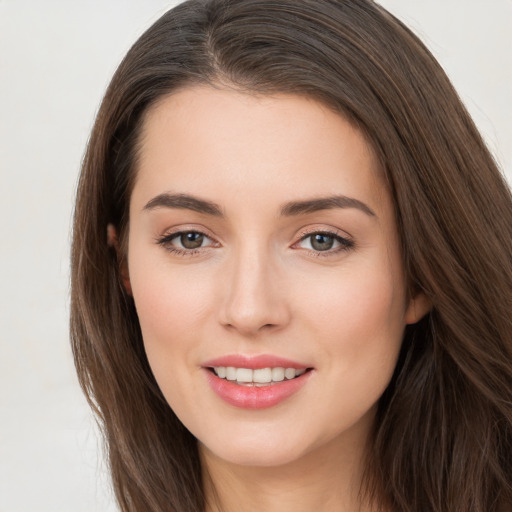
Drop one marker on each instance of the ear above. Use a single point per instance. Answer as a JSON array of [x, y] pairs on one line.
[[418, 307], [113, 241]]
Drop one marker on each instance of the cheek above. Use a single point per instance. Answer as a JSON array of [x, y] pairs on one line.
[[171, 303], [370, 302], [361, 327], [171, 306], [359, 323], [167, 304]]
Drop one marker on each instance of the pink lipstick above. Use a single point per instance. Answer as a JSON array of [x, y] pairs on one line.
[[255, 382]]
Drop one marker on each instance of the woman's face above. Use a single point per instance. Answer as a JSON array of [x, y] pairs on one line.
[[262, 242]]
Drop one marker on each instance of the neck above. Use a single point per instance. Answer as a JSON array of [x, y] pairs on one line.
[[327, 479]]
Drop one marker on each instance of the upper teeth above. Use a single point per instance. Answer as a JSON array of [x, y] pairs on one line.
[[259, 376]]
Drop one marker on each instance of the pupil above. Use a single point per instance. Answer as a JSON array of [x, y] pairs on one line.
[[322, 242], [192, 240]]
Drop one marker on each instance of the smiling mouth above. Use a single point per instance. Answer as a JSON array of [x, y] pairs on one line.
[[257, 378]]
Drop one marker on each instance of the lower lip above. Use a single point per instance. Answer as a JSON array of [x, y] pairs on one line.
[[254, 397]]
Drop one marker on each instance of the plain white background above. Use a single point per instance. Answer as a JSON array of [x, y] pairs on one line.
[[56, 58]]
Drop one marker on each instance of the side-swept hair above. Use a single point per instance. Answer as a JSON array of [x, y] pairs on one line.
[[443, 434]]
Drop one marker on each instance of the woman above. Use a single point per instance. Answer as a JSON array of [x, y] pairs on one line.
[[292, 269]]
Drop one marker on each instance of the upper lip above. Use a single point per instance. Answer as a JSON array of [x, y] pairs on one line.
[[254, 362]]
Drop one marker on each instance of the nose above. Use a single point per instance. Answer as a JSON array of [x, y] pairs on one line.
[[255, 298]]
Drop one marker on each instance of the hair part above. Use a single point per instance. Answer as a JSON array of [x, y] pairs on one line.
[[443, 435]]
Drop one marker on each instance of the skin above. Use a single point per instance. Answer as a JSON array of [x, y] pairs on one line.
[[257, 285]]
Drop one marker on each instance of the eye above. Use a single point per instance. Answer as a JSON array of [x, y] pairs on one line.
[[322, 241], [185, 241]]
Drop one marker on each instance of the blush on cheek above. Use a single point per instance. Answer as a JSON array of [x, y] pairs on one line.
[[367, 304], [167, 313], [165, 294]]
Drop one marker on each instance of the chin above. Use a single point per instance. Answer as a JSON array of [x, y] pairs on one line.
[[258, 457], [261, 450]]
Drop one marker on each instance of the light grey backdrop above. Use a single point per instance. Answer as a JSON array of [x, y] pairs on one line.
[[56, 58]]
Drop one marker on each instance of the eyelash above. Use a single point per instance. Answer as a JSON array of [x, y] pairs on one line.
[[166, 242], [345, 244]]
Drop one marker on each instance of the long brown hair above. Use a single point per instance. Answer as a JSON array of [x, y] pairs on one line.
[[443, 434]]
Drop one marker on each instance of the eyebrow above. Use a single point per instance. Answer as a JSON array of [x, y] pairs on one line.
[[186, 202], [325, 203], [292, 208]]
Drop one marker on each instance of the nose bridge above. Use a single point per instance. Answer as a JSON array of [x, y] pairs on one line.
[[254, 298]]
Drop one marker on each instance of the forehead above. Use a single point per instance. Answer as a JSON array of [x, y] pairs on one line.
[[214, 140]]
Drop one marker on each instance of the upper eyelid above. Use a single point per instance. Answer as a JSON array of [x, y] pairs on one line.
[[328, 231], [172, 232]]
